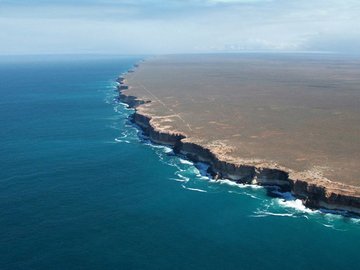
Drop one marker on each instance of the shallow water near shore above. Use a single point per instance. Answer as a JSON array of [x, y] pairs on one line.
[[82, 189]]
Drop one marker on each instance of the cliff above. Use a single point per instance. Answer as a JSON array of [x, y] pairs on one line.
[[315, 192]]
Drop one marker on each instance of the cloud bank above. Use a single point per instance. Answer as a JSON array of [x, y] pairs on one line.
[[174, 26]]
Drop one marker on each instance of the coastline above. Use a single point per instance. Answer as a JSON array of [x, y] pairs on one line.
[[315, 192]]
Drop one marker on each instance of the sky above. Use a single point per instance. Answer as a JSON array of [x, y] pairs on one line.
[[178, 26]]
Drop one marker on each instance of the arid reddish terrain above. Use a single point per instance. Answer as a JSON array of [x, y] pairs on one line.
[[299, 114]]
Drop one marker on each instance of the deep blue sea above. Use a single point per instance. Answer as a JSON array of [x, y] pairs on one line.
[[81, 189]]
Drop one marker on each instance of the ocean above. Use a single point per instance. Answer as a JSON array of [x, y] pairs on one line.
[[81, 188]]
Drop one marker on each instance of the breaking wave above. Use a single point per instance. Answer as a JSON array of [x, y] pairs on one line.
[[194, 189]]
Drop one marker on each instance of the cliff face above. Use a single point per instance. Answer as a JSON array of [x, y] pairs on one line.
[[314, 195], [156, 136], [129, 100], [239, 173], [318, 196]]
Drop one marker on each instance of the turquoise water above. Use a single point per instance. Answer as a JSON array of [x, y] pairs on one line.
[[80, 189]]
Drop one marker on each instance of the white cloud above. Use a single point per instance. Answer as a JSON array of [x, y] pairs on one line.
[[180, 26]]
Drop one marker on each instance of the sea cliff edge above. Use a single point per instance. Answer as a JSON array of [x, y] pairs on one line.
[[314, 194]]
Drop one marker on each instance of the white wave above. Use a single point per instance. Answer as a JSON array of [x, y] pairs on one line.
[[165, 149], [184, 161], [177, 180], [122, 141], [125, 106], [295, 204], [279, 214], [251, 195], [234, 184], [182, 177], [258, 216], [178, 167], [328, 225], [355, 220], [228, 182], [235, 192], [332, 226], [194, 189], [194, 171], [124, 135], [268, 213]]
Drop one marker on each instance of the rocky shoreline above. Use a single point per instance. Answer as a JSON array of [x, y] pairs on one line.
[[315, 193]]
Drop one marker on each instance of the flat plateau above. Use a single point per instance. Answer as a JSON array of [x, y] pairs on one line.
[[291, 113]]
